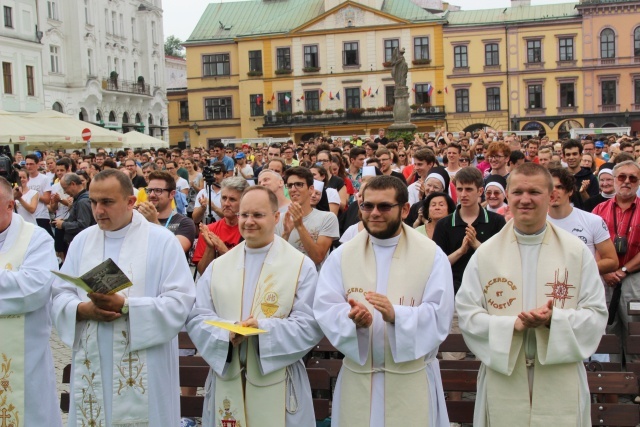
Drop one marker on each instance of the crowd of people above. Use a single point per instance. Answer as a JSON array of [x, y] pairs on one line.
[[529, 248]]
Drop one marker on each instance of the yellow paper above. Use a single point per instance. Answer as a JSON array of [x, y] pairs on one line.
[[240, 330]]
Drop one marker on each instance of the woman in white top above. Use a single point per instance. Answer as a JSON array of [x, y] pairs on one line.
[[181, 184], [26, 199], [196, 183]]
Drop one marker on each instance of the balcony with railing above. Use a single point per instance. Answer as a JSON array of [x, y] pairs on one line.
[[126, 86], [359, 115], [609, 108]]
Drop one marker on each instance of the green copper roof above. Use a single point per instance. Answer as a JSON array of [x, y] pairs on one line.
[[225, 21], [512, 14]]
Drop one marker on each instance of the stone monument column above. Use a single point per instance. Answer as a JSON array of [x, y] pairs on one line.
[[401, 110]]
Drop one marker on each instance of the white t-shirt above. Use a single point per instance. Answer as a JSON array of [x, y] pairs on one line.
[[41, 184], [350, 233], [215, 199], [333, 196], [182, 184], [62, 209], [246, 170], [318, 224], [27, 197], [588, 227]]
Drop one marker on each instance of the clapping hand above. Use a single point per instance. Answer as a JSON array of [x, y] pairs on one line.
[[540, 316], [359, 314], [381, 303]]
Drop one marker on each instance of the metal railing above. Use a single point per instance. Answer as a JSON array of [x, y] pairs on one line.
[[119, 85]]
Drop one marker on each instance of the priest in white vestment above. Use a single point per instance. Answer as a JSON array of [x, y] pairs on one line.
[[125, 349], [265, 283], [385, 300], [532, 308], [27, 257]]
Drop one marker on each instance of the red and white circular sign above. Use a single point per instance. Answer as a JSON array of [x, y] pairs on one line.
[[86, 134]]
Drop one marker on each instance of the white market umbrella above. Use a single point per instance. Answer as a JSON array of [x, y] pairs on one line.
[[15, 128], [135, 139], [68, 125]]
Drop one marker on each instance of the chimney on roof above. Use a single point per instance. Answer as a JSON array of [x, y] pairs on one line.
[[518, 3]]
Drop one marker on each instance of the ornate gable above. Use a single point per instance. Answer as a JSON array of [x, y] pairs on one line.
[[349, 15]]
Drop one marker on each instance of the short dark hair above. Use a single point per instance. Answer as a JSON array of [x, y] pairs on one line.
[[515, 156], [32, 157], [273, 199], [470, 175], [217, 144], [356, 151], [456, 146], [388, 182], [425, 155], [164, 176], [300, 172], [451, 205], [572, 143], [567, 180], [126, 187]]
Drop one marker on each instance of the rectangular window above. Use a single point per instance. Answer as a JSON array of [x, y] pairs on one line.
[[31, 87], [52, 10], [422, 93], [8, 17], [283, 58], [535, 96], [352, 97], [462, 100], [184, 111], [311, 56], [216, 65], [87, 15], [421, 48], [284, 102], [567, 95], [54, 53], [389, 46], [534, 51], [153, 32], [90, 61], [113, 23], [350, 55], [389, 96], [460, 57], [493, 99], [256, 102], [7, 78], [217, 108], [566, 49], [636, 85], [134, 33], [121, 25], [491, 54], [609, 92], [255, 60], [312, 100]]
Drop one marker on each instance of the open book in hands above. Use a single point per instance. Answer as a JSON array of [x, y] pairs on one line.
[[105, 278]]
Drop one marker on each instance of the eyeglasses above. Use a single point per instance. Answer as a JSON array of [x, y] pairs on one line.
[[290, 185], [256, 216], [402, 155], [157, 191], [323, 161], [493, 193], [386, 159], [623, 177], [382, 207], [494, 157], [464, 160]]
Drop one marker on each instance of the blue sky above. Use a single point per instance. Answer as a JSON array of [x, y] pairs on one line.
[[181, 16]]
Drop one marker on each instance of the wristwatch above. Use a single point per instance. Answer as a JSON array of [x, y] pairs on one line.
[[624, 269], [125, 306]]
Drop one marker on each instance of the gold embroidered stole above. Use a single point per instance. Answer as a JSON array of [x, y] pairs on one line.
[[554, 399], [12, 409], [130, 401], [263, 401], [406, 386]]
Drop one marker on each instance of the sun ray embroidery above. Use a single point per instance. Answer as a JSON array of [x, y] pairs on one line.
[[560, 290]]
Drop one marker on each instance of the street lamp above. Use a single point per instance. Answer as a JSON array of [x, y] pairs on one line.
[[196, 128]]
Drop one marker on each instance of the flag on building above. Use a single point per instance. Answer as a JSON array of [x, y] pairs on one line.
[[258, 99], [338, 95], [302, 97], [446, 90], [377, 90], [364, 93], [330, 95], [369, 93], [321, 93], [287, 99], [273, 96], [429, 89]]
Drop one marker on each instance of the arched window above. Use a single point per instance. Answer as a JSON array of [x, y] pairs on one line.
[[98, 116], [57, 107], [138, 118], [125, 118], [112, 116], [607, 44], [83, 115], [636, 42]]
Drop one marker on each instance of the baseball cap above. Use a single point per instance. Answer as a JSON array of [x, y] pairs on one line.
[[599, 144], [240, 156], [245, 146]]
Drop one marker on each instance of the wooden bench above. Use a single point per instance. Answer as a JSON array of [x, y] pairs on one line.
[[321, 392]]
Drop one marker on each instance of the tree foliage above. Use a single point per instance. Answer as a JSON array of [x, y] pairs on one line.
[[173, 47]]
